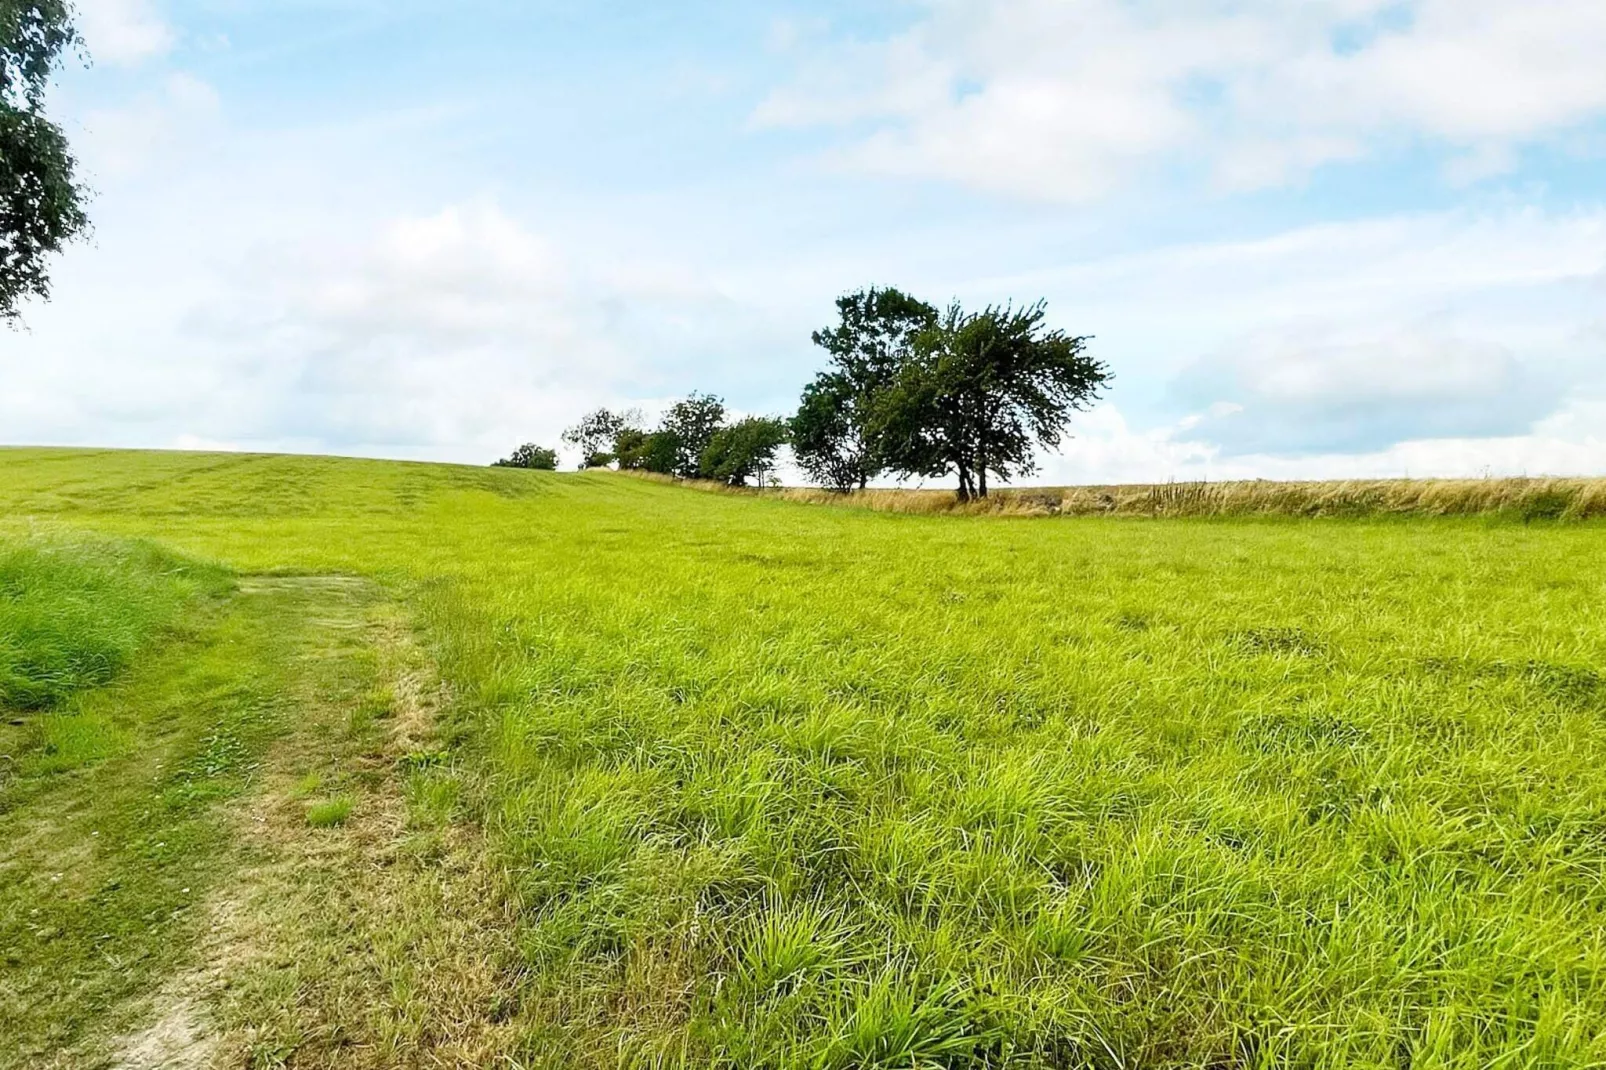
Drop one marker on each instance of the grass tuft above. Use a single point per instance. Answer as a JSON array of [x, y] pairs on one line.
[[330, 812]]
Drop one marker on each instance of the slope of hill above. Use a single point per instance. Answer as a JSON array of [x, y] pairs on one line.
[[758, 784]]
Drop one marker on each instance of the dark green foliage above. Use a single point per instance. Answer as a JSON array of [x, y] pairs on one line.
[[530, 455], [691, 425], [869, 347], [647, 451], [1546, 505], [828, 437], [597, 432], [871, 342], [677, 447], [41, 203], [980, 394], [744, 450]]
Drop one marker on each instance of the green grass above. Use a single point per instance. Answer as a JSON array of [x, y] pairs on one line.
[[73, 613], [115, 833], [796, 787], [330, 812]]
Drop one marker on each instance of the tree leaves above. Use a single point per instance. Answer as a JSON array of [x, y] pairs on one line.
[[41, 203]]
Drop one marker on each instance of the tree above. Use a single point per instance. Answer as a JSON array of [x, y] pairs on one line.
[[827, 436], [691, 424], [646, 451], [744, 450], [597, 432], [981, 394], [41, 202], [869, 347], [530, 455]]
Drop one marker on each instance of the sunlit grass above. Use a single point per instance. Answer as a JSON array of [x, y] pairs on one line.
[[788, 786]]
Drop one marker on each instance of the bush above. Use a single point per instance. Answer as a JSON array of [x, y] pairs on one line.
[[530, 455]]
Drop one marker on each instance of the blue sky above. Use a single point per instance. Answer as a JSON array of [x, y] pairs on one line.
[[1342, 237]]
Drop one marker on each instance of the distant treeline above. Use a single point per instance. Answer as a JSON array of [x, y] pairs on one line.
[[910, 390]]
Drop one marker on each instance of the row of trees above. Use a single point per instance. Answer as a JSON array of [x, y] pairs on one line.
[[911, 391], [693, 441]]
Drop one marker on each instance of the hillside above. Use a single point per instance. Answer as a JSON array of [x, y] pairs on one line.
[[605, 772]]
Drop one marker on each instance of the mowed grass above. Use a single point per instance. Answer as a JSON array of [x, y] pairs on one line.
[[787, 786]]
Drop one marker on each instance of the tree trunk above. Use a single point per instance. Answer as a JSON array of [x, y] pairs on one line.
[[976, 462]]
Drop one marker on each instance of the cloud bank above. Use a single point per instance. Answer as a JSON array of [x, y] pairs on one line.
[[1069, 99]]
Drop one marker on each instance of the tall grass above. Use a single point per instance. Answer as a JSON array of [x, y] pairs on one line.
[[74, 612], [1525, 499]]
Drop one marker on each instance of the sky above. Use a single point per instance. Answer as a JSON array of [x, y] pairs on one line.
[[1337, 238]]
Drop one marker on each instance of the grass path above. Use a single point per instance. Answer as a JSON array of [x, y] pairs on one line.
[[263, 863]]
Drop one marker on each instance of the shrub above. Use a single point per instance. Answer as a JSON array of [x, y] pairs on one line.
[[530, 455]]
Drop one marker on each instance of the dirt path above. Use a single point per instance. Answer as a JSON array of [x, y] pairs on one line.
[[363, 927]]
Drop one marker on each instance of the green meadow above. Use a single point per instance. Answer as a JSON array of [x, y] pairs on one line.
[[581, 770]]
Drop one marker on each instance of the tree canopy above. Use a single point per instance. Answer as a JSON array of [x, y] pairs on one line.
[[744, 450], [690, 425], [981, 393], [869, 346], [597, 433], [530, 455], [909, 390], [41, 202]]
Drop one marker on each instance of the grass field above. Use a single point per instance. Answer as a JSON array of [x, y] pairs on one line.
[[733, 781]]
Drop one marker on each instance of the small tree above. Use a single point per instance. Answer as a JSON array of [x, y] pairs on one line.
[[745, 450], [691, 425], [869, 347], [41, 203], [596, 433], [530, 455], [982, 393]]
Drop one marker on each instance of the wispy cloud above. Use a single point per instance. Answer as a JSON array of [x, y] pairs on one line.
[[124, 33], [1068, 99]]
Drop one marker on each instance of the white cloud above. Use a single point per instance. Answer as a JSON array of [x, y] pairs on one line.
[[1067, 99], [1107, 449], [460, 330], [153, 128], [454, 335], [1312, 388], [124, 33]]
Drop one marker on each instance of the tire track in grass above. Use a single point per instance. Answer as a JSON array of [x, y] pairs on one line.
[[176, 905], [365, 927]]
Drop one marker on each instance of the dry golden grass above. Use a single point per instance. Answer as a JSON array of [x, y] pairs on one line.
[[1529, 499]]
